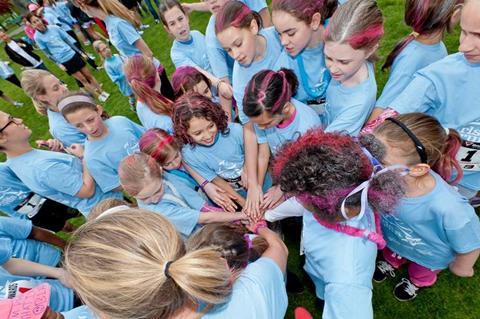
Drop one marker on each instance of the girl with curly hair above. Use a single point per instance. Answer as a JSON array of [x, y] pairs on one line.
[[335, 187], [143, 178], [433, 227], [213, 147]]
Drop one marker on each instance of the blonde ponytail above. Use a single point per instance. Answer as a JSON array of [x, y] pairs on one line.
[[117, 265]]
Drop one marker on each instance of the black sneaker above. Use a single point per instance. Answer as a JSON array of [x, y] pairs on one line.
[[405, 290], [382, 270], [294, 285]]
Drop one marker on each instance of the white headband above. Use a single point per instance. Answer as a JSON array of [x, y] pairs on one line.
[[113, 210], [72, 99]]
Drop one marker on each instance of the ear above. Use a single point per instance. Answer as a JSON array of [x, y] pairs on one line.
[[3, 140], [316, 21], [455, 18], [372, 50], [100, 109], [419, 170], [254, 26]]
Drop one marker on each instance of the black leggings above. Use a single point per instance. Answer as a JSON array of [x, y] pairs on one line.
[[13, 79]]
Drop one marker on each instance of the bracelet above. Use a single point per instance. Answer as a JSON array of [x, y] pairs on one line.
[[261, 224], [205, 182]]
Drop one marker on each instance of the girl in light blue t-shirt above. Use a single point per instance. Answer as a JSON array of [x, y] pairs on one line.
[[434, 227]]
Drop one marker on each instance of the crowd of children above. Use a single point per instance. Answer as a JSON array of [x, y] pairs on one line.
[[270, 125]]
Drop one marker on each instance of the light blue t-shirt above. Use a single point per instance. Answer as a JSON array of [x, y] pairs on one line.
[[305, 119], [341, 266], [61, 297], [104, 156], [312, 74], [192, 52], [13, 192], [57, 176], [82, 312], [448, 90], [220, 61], [259, 293], [114, 68], [150, 119], [14, 243], [5, 70], [56, 15], [347, 108], [55, 43], [414, 56], [185, 185], [224, 158], [174, 207], [64, 131], [431, 229], [122, 35], [243, 73]]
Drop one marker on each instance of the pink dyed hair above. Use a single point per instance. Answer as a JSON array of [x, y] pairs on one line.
[[158, 144], [235, 14], [185, 78], [358, 23], [304, 10], [141, 74]]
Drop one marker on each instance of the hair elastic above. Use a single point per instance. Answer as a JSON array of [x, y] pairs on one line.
[[418, 145], [166, 267], [74, 99], [415, 34]]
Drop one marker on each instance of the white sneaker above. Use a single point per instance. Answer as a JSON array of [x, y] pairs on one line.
[[144, 26], [17, 104], [91, 56], [103, 97]]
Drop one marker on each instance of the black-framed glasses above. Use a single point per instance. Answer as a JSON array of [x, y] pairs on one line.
[[11, 120]]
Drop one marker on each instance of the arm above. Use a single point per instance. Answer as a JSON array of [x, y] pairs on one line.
[[46, 236], [142, 46], [263, 160], [197, 6], [276, 248], [88, 187], [21, 267], [266, 19], [463, 264], [255, 194], [220, 217], [289, 208], [220, 182]]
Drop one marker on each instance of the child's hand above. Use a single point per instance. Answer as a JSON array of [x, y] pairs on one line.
[[272, 198], [254, 200], [51, 144], [63, 278], [76, 150], [225, 90], [460, 271], [220, 197]]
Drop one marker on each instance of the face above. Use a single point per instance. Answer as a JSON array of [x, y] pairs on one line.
[[88, 122], [38, 24], [215, 5], [177, 24], [173, 161], [54, 90], [343, 61], [3, 36], [295, 34], [203, 89], [202, 131], [267, 120], [104, 50], [470, 34], [152, 192], [240, 44], [13, 129]]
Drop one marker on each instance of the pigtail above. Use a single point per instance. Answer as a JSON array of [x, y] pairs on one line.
[[155, 101], [202, 275], [291, 80], [385, 191], [329, 7], [447, 163]]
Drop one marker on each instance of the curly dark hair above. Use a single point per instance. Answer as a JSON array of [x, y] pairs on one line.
[[320, 169], [196, 105]]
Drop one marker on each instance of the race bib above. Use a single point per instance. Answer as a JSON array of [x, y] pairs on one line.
[[31, 205], [317, 105], [468, 156], [14, 288]]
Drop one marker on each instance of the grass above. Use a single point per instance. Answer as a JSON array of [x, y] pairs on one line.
[[450, 298]]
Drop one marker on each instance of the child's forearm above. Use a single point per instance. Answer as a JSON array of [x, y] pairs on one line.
[[46, 236], [263, 159], [463, 263], [251, 154], [220, 182], [220, 217], [22, 267]]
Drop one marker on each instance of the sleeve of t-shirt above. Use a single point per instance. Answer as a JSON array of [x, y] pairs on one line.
[[463, 230], [256, 5], [217, 58], [201, 168], [128, 32], [351, 120], [419, 96], [105, 176], [181, 59], [15, 228], [5, 250], [347, 301], [72, 178], [263, 279], [184, 219], [398, 80]]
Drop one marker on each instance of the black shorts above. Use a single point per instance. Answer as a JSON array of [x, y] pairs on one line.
[[75, 64]]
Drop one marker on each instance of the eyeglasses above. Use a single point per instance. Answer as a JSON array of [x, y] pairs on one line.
[[11, 120]]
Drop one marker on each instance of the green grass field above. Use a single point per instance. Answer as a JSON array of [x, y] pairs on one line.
[[450, 298]]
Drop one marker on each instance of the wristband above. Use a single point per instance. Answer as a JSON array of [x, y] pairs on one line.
[[205, 182], [259, 225]]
